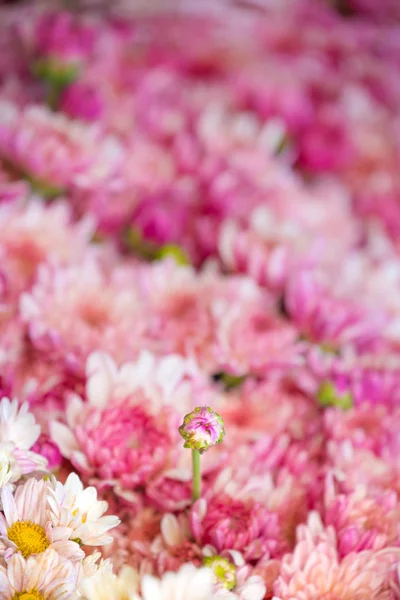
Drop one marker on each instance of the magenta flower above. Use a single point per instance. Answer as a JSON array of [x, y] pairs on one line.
[[202, 429]]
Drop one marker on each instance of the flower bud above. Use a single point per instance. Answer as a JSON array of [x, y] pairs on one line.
[[202, 429]]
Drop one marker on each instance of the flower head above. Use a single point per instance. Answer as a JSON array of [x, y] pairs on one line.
[[17, 424], [43, 577], [106, 585], [224, 571], [26, 528], [18, 432], [79, 509], [188, 582], [202, 428]]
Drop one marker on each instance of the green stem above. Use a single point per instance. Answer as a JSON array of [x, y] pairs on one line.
[[53, 95], [196, 475]]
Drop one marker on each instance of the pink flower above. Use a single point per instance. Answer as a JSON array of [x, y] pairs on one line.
[[259, 408], [72, 311], [31, 234], [331, 321], [120, 444], [243, 252], [229, 524], [315, 569], [173, 546], [202, 429], [50, 451], [52, 152], [364, 521], [252, 339], [169, 494]]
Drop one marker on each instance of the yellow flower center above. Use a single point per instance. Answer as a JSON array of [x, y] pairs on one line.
[[29, 538], [32, 595]]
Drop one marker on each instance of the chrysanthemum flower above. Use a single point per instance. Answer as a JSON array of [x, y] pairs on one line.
[[187, 582], [317, 572], [49, 450], [364, 521], [55, 152], [46, 576], [268, 407], [32, 233], [18, 433], [78, 508], [326, 319], [123, 444], [15, 463], [26, 527], [253, 339], [70, 312], [174, 545], [234, 578], [17, 424], [105, 585], [229, 524]]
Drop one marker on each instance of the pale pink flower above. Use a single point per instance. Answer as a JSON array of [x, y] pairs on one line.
[[368, 427], [26, 526], [165, 380], [32, 233], [252, 339], [322, 318], [256, 409], [243, 252], [315, 569], [15, 463], [364, 521], [358, 466], [179, 318], [164, 386], [134, 537], [73, 311], [53, 152], [18, 434], [46, 576], [174, 545]]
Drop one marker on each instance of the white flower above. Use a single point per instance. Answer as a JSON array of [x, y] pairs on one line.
[[105, 585], [26, 526], [43, 577], [247, 586], [18, 433], [77, 508], [15, 462], [17, 424], [188, 582], [8, 467]]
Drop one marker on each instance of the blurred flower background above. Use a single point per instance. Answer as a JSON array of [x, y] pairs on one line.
[[200, 238]]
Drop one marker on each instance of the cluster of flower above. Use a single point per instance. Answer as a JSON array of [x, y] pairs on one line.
[[200, 208]]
